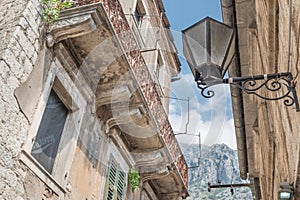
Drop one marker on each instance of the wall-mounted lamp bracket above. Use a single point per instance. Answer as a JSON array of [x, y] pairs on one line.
[[231, 186], [270, 82], [210, 47]]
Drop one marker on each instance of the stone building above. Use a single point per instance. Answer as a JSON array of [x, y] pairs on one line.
[[267, 131], [82, 102]]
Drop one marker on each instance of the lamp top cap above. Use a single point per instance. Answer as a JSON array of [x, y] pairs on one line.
[[207, 18]]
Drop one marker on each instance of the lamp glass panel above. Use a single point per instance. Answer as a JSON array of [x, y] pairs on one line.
[[194, 45], [220, 42], [284, 195]]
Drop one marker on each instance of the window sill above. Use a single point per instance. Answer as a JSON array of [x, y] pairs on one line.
[[42, 174]]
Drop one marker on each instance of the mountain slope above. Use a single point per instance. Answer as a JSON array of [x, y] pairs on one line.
[[217, 162]]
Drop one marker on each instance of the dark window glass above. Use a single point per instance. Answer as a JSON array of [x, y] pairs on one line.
[[46, 143], [139, 13], [138, 16]]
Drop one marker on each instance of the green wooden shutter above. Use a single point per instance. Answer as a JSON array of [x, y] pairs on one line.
[[115, 183], [111, 180], [120, 185]]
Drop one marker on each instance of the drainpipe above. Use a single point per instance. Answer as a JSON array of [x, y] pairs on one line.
[[290, 31], [229, 18]]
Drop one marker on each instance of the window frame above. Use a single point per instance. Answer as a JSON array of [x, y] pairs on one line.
[[139, 13], [58, 80], [45, 136]]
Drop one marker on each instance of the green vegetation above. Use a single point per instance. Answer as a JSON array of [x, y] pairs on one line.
[[133, 177], [52, 9]]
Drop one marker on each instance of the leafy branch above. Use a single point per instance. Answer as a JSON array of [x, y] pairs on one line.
[[133, 177], [52, 9]]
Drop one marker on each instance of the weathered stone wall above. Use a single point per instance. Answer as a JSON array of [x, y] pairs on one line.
[[21, 44], [19, 47], [277, 137], [142, 75]]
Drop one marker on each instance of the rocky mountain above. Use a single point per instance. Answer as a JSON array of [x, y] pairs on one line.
[[217, 163]]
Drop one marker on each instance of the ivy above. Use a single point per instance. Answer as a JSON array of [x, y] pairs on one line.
[[52, 9], [133, 177]]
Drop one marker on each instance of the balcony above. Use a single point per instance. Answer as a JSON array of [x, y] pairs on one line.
[[127, 102]]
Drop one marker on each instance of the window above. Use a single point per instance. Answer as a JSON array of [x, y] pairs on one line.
[[52, 137], [47, 140], [139, 13], [159, 73], [115, 182], [159, 66]]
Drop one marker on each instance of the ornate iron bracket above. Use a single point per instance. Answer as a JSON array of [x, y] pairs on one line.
[[282, 83]]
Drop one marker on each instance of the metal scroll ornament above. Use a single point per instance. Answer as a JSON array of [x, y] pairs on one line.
[[204, 90], [281, 83]]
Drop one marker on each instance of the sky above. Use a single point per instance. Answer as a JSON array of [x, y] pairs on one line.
[[212, 118]]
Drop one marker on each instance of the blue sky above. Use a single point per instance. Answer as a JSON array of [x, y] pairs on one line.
[[211, 117], [182, 14]]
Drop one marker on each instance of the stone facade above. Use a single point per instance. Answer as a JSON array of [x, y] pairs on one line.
[[95, 61], [268, 132], [18, 52]]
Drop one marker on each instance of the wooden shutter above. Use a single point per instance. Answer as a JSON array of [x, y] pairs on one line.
[[111, 180], [115, 183], [120, 185]]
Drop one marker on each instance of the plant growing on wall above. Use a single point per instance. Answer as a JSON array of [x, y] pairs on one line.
[[52, 9], [133, 177]]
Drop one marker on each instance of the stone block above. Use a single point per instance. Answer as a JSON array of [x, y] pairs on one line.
[[33, 9], [12, 62], [37, 6], [4, 69], [31, 35], [36, 45], [23, 23], [28, 66], [30, 19], [13, 82], [34, 58], [15, 47], [24, 42]]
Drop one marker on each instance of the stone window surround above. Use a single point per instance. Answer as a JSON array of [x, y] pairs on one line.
[[139, 10], [158, 77], [57, 79], [138, 25]]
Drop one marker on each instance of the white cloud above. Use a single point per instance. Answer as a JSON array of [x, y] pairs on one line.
[[208, 116]]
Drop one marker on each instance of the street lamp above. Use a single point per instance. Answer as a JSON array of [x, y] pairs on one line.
[[209, 48], [286, 191]]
